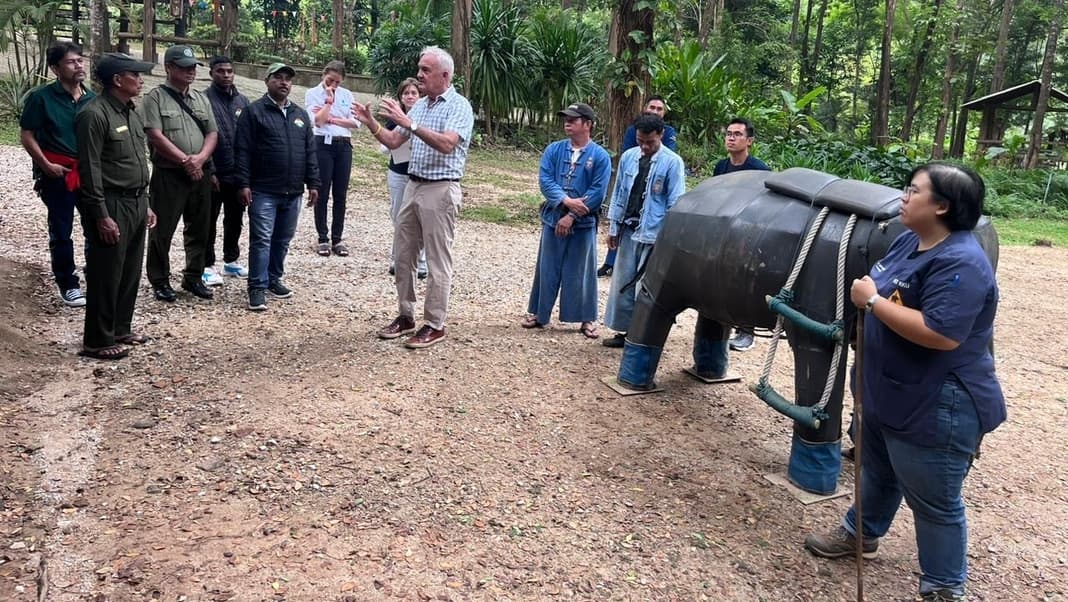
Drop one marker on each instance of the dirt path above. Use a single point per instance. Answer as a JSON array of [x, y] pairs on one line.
[[292, 455]]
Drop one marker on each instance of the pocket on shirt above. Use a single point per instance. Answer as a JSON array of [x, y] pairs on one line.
[[171, 120]]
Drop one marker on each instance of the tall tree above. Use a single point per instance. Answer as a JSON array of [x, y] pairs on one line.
[[988, 125], [461, 39], [98, 18], [630, 42], [918, 68], [938, 149], [1034, 149], [880, 127], [337, 39]]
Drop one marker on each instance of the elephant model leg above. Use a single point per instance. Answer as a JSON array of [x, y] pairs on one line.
[[649, 329], [815, 453], [710, 348]]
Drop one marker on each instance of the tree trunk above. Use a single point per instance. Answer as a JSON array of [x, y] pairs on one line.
[[938, 148], [880, 129], [337, 39], [228, 26], [461, 39], [988, 125], [802, 76], [814, 58], [1034, 149], [857, 57], [624, 98], [795, 17], [98, 14], [918, 72], [960, 128]]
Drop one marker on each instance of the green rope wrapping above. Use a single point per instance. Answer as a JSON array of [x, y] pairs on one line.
[[780, 304], [809, 416]]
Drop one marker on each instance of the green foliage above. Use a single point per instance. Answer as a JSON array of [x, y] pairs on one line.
[[1021, 193], [395, 50], [14, 89], [355, 58], [567, 59], [499, 51], [701, 94], [843, 159], [9, 132]]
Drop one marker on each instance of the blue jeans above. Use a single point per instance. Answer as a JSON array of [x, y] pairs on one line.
[[272, 220], [620, 307], [60, 203], [929, 477]]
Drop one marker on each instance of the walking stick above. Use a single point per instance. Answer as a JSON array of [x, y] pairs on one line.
[[858, 430]]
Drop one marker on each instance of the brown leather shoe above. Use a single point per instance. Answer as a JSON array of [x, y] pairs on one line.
[[400, 326], [426, 337]]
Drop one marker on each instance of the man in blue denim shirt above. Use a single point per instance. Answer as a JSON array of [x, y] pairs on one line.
[[573, 178], [649, 181]]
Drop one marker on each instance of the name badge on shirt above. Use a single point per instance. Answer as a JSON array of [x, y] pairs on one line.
[[121, 129], [328, 139]]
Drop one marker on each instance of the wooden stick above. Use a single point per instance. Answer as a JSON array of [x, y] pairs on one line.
[[858, 430]]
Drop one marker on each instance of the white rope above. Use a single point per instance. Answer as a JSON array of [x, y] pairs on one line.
[[799, 263], [839, 310]]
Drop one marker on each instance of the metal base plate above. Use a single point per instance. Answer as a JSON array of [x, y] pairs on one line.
[[728, 378], [618, 388], [803, 496]]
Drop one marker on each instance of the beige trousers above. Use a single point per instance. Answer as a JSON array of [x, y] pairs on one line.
[[426, 219]]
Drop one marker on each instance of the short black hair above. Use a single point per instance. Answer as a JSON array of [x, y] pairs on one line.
[[59, 50], [649, 124], [960, 188], [656, 97], [219, 60], [750, 131]]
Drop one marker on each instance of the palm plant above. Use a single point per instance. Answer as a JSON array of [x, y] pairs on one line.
[[28, 27], [499, 56], [568, 58], [395, 52]]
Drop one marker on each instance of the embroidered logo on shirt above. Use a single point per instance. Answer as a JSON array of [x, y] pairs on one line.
[[895, 298], [589, 163], [879, 267], [298, 122], [237, 112], [658, 185]]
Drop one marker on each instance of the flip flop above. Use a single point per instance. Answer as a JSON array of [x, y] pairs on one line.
[[589, 331], [531, 322], [134, 339], [324, 249], [115, 352], [341, 250]]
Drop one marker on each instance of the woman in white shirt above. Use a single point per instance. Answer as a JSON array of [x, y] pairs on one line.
[[397, 176], [330, 107]]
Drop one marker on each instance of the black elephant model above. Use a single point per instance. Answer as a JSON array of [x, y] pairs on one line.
[[732, 242]]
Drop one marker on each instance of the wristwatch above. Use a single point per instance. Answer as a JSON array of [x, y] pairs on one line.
[[414, 128], [871, 301]]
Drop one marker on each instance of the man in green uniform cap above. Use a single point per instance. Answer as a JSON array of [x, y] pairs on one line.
[[113, 170], [182, 133]]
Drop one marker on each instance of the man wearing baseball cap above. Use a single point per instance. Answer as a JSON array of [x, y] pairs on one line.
[[573, 178], [182, 133], [113, 171]]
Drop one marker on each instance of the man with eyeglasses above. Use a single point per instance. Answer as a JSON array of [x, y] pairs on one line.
[[573, 178], [654, 106], [47, 125], [739, 140]]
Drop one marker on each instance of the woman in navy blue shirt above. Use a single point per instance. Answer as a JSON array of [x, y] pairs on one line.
[[930, 391]]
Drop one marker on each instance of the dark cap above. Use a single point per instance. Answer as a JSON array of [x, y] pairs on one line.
[[113, 63], [182, 56], [219, 60], [578, 109], [280, 68]]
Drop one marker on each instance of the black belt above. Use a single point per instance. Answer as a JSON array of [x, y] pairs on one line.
[[429, 181], [336, 140], [132, 193]]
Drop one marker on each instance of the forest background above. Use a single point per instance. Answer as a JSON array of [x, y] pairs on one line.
[[863, 89]]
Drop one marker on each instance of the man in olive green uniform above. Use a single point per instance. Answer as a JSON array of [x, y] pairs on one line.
[[113, 168], [182, 134]]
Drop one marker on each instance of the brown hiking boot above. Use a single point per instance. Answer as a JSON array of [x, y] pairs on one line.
[[839, 544]]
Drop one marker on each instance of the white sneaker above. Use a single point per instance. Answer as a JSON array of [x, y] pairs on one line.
[[235, 269], [73, 297], [211, 278]]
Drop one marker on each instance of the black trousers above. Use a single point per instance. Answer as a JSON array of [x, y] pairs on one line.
[[113, 272], [225, 200], [173, 196], [335, 168]]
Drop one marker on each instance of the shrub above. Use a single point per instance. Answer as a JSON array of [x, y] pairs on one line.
[[395, 51], [355, 58], [568, 59], [839, 157], [14, 89]]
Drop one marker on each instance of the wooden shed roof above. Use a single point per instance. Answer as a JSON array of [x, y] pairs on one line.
[[998, 98]]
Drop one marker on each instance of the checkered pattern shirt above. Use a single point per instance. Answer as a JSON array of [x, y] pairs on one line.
[[449, 112]]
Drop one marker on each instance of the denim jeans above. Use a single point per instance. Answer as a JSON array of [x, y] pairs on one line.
[[60, 203], [272, 220], [335, 169], [620, 307], [929, 477]]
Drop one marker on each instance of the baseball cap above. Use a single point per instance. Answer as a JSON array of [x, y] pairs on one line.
[[578, 109], [280, 67], [182, 56], [116, 62]]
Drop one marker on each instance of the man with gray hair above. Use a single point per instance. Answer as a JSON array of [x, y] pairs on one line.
[[439, 127]]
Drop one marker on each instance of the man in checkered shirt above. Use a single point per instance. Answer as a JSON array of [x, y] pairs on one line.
[[439, 127]]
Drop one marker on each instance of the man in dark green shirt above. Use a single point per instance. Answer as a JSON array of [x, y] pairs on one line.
[[182, 134], [113, 168], [47, 125]]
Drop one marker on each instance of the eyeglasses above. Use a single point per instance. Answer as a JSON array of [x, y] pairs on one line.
[[731, 134], [909, 190]]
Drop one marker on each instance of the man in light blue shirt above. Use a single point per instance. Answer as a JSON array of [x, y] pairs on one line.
[[649, 181]]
